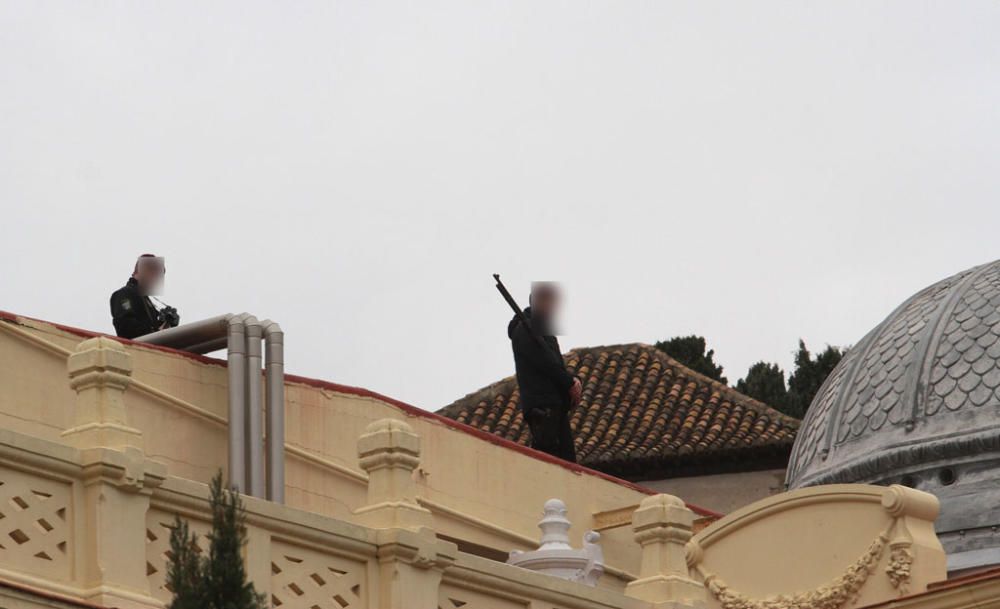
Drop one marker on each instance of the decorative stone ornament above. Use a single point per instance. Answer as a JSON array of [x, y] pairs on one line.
[[555, 556], [100, 369], [662, 526], [888, 532], [389, 451], [411, 559]]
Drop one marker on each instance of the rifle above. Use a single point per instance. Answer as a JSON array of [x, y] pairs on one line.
[[518, 312]]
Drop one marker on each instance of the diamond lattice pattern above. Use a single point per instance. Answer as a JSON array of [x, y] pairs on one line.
[[34, 536], [305, 579], [158, 527]]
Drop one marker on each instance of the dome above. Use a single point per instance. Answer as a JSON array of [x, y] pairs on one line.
[[917, 402]]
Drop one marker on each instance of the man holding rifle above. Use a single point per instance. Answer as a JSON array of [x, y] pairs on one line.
[[548, 391]]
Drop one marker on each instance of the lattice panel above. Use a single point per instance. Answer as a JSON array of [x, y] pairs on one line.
[[306, 579], [158, 527], [34, 530], [453, 597]]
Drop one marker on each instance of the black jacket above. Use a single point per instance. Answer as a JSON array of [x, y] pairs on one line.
[[133, 314], [541, 372]]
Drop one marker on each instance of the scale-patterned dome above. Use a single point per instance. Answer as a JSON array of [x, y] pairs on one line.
[[917, 402]]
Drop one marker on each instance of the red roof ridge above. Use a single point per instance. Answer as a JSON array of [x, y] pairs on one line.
[[362, 392]]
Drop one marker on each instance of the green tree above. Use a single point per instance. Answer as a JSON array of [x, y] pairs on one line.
[[766, 383], [184, 568], [218, 581], [809, 375], [691, 351]]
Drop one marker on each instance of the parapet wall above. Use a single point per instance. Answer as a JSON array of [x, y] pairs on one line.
[[479, 488]]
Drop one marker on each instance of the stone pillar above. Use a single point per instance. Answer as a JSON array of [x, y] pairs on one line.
[[411, 565], [389, 451], [662, 526], [100, 370], [111, 556], [411, 559], [110, 548]]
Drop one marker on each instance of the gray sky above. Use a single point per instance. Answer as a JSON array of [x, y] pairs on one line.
[[754, 172]]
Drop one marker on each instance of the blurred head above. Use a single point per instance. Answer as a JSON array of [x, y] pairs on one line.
[[545, 300], [148, 272]]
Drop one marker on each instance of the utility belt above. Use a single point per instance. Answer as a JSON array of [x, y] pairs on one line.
[[544, 415]]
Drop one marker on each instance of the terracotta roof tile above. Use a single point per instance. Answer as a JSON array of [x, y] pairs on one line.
[[644, 415]]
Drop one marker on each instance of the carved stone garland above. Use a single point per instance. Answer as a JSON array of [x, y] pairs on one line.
[[835, 594], [898, 569]]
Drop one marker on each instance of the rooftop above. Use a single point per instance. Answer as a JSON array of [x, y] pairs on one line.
[[645, 415]]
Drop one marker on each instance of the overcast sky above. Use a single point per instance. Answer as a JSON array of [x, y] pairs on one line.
[[753, 172]]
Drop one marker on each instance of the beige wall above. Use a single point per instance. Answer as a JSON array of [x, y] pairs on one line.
[[12, 597], [723, 493], [479, 491]]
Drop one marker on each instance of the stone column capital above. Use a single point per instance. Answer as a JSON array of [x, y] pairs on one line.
[[662, 525], [389, 450], [99, 361], [100, 370]]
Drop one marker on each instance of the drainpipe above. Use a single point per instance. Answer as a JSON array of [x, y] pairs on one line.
[[237, 402], [255, 411], [274, 431]]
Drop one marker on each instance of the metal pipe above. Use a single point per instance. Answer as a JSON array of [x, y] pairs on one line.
[[189, 334], [208, 346], [249, 471], [255, 410], [237, 402], [274, 431]]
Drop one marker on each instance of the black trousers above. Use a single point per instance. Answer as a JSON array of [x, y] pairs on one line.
[[550, 432]]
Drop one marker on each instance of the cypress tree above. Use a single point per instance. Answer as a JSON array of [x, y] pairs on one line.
[[225, 577], [693, 352], [184, 568], [765, 382], [218, 581], [804, 383]]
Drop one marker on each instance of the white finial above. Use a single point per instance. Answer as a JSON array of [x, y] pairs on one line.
[[555, 556], [555, 526]]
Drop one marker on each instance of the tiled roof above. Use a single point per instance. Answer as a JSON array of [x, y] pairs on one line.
[[644, 415]]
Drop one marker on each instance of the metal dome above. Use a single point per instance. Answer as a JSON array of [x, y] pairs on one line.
[[917, 402]]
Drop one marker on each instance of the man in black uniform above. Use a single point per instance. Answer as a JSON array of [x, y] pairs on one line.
[[548, 390], [131, 310]]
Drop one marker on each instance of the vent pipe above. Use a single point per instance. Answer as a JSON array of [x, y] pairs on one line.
[[256, 438], [274, 429]]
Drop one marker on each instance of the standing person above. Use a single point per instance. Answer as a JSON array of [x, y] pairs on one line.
[[548, 391], [132, 311]]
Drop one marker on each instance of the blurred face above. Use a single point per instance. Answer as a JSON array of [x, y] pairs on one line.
[[149, 273], [545, 300]]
